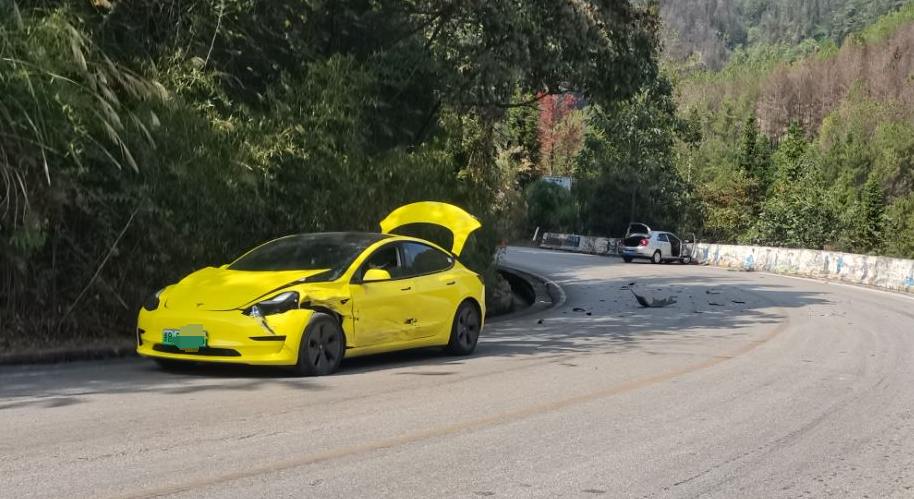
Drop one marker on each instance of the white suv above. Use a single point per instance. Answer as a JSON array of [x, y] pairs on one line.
[[656, 246]]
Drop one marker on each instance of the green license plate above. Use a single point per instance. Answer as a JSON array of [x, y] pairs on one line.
[[187, 338]]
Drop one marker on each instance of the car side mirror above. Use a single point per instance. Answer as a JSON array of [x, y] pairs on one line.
[[376, 275]]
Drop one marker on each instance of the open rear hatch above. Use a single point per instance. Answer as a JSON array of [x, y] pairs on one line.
[[459, 222], [633, 240]]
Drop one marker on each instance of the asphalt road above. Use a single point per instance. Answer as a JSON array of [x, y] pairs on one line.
[[751, 385]]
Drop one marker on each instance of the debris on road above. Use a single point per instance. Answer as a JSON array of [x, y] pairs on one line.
[[713, 304], [711, 292], [740, 302], [654, 303], [578, 309]]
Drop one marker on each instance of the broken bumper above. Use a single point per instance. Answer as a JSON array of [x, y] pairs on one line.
[[232, 337]]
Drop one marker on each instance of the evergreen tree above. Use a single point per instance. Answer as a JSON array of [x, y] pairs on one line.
[[872, 214], [748, 154], [789, 156], [754, 161]]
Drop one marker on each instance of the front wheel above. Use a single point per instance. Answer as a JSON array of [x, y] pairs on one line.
[[322, 347], [685, 260], [465, 330], [657, 258]]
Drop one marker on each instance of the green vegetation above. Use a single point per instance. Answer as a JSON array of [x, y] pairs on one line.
[[813, 151], [707, 33], [143, 139]]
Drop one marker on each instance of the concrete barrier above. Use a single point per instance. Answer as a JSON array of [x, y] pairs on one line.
[[882, 272], [878, 271], [581, 244]]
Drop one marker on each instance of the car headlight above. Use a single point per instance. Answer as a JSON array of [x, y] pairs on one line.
[[152, 302], [278, 304]]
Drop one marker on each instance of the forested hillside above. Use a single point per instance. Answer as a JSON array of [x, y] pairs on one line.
[[705, 33], [143, 139], [809, 153]]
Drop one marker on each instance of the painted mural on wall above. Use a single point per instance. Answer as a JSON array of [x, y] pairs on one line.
[[882, 272]]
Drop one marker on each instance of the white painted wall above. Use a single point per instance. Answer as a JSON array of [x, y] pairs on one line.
[[879, 271], [888, 273]]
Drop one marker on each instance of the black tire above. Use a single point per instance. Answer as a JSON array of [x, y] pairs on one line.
[[464, 330], [657, 257], [627, 259], [322, 347], [685, 260]]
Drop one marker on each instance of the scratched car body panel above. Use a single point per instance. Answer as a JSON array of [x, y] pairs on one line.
[[257, 309]]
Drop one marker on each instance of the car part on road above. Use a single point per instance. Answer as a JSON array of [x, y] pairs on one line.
[[657, 257], [653, 303]]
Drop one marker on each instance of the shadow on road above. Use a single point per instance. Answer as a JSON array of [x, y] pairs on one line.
[[600, 316]]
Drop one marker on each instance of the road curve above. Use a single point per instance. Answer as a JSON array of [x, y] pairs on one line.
[[750, 385]]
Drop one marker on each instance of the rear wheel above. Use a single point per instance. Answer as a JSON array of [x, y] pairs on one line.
[[465, 330], [322, 347], [657, 258], [627, 259]]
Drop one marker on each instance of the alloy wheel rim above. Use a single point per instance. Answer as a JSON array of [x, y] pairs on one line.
[[467, 327], [323, 348]]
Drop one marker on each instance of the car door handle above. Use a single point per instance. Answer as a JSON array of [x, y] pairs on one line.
[[451, 283], [406, 288]]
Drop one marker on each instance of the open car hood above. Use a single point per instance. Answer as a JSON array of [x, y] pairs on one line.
[[222, 289], [459, 222]]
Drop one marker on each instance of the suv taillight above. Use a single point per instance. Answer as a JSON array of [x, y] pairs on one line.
[[643, 242]]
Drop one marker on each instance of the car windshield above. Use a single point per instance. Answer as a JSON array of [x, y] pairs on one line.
[[332, 251]]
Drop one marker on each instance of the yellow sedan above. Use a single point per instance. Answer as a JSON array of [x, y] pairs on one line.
[[309, 300]]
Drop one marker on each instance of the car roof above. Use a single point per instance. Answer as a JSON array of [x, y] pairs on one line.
[[369, 237]]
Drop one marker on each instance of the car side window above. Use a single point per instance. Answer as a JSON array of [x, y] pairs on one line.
[[662, 238], [423, 259], [386, 258]]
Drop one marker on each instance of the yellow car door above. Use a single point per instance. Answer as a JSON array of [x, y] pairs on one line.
[[381, 305], [435, 296]]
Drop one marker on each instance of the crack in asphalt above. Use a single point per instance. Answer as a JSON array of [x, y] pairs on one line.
[[296, 462]]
